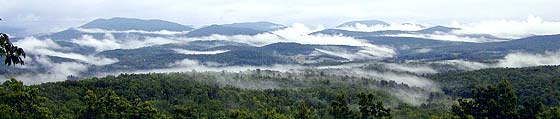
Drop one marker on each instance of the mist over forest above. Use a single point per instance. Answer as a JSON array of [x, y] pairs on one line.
[[254, 60]]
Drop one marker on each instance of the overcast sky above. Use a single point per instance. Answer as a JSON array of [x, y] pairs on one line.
[[52, 15]]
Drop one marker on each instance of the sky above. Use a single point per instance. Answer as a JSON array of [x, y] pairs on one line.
[[44, 16]]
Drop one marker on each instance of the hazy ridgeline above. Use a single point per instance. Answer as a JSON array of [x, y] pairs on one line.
[[134, 68]]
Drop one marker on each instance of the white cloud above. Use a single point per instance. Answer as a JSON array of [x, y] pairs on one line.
[[510, 28], [54, 71], [393, 26], [190, 65], [465, 65], [34, 43], [450, 37], [190, 52], [521, 59], [514, 60], [408, 79], [285, 11], [48, 47], [423, 50], [100, 45], [365, 53], [299, 33], [418, 69], [110, 43]]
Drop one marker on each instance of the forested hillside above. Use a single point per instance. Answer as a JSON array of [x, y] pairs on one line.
[[532, 83], [272, 94]]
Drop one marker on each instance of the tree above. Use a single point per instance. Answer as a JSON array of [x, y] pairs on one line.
[[550, 113], [304, 111], [185, 112], [20, 101], [531, 109], [111, 105], [339, 108], [143, 110], [492, 102], [11, 53], [371, 108], [241, 114]]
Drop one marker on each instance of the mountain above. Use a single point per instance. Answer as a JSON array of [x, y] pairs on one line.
[[444, 50], [412, 24], [359, 33], [74, 33], [122, 24], [341, 32], [222, 30], [530, 82], [260, 26], [431, 30], [235, 53], [364, 22], [438, 28]]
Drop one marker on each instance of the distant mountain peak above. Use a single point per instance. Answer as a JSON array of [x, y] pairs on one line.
[[222, 30], [122, 24], [259, 25], [364, 22], [413, 24], [438, 28]]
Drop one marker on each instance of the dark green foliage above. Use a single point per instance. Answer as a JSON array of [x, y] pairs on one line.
[[304, 111], [267, 94], [19, 101], [210, 95], [241, 114], [499, 102], [531, 109], [112, 106], [550, 113], [12, 54], [339, 108], [492, 102], [371, 108], [540, 84]]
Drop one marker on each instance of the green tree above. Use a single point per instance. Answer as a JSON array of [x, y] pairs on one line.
[[185, 112], [272, 114], [20, 101], [108, 106], [531, 109], [241, 114], [11, 53], [550, 113], [492, 102], [371, 108], [339, 108], [304, 111], [144, 110]]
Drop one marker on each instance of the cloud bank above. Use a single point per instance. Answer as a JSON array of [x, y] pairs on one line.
[[47, 47], [451, 37], [299, 33], [110, 43], [512, 60], [53, 71], [533, 25], [393, 26]]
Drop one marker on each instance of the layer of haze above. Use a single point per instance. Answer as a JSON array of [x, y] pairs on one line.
[[54, 15]]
